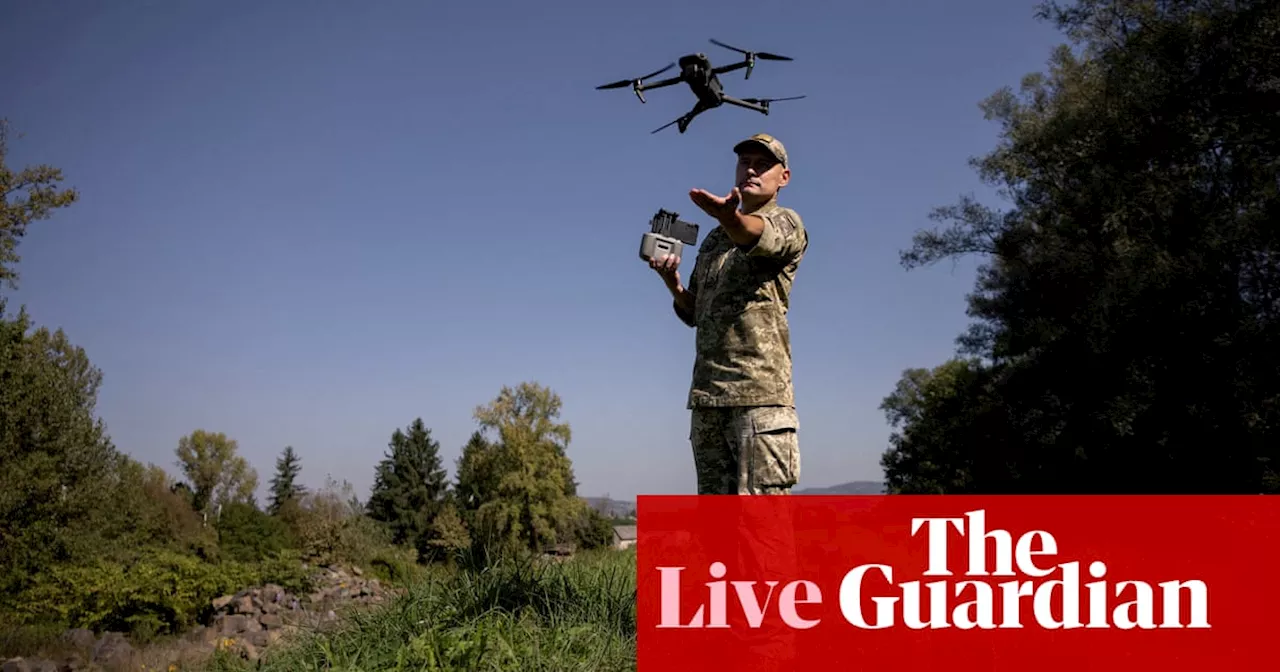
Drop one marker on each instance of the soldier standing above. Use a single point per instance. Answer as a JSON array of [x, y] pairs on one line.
[[744, 426]]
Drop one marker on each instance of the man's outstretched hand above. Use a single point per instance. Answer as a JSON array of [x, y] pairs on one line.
[[720, 207]]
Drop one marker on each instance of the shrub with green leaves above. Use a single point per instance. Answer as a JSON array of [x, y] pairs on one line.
[[159, 592]]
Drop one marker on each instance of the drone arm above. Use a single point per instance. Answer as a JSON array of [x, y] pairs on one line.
[[758, 107], [730, 68], [661, 83]]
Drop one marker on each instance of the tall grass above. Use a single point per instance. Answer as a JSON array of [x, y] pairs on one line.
[[575, 616]]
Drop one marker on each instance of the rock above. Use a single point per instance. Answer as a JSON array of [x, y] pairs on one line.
[[245, 605], [202, 635], [260, 639], [81, 638], [247, 622], [233, 623], [112, 649], [248, 651]]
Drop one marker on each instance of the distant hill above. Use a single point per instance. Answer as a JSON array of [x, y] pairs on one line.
[[621, 508], [612, 508], [850, 488]]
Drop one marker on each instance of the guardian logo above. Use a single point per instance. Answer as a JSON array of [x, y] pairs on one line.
[[1022, 585]]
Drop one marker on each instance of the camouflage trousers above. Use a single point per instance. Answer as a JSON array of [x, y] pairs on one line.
[[746, 450]]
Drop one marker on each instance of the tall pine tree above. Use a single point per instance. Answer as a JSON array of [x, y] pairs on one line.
[[410, 487], [284, 485]]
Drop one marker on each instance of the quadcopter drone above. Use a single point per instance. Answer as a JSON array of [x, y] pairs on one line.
[[704, 81]]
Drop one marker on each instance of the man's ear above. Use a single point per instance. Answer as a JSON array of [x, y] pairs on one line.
[[786, 177]]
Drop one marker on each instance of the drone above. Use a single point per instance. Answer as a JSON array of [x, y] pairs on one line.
[[704, 81]]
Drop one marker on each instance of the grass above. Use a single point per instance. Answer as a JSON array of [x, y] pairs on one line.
[[575, 616]]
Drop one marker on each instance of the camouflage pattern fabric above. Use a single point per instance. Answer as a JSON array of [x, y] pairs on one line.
[[741, 296], [746, 450]]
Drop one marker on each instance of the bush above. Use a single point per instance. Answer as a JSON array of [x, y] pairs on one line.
[[248, 534], [593, 529], [396, 566], [156, 593]]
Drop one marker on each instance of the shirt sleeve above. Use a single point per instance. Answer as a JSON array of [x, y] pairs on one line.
[[784, 236], [692, 290]]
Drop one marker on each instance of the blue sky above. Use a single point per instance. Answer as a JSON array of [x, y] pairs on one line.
[[308, 224]]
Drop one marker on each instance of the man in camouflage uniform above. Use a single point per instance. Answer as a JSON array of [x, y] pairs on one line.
[[744, 427]]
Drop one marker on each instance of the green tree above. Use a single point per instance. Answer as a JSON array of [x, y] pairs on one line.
[[157, 511], [933, 431], [59, 463], [284, 485], [450, 535], [26, 195], [1127, 321], [246, 533], [409, 487], [476, 479], [217, 475], [522, 485], [593, 529]]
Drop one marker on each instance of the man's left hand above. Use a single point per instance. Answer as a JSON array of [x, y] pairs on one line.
[[719, 207]]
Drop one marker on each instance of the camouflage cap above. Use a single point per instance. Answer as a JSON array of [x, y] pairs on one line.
[[768, 143]]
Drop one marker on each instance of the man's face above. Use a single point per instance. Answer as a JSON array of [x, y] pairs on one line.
[[760, 175]]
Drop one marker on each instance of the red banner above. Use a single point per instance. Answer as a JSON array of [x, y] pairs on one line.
[[957, 583]]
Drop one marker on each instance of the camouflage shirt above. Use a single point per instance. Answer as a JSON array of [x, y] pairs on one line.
[[741, 296]]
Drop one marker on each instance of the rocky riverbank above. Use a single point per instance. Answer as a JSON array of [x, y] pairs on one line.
[[246, 623]]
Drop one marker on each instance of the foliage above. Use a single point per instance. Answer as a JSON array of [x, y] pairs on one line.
[[331, 528], [519, 489], [90, 537], [156, 592], [577, 616], [57, 457], [284, 484], [1126, 333], [248, 534], [475, 475], [450, 535], [593, 530], [409, 487], [922, 411], [26, 196], [157, 511], [216, 473]]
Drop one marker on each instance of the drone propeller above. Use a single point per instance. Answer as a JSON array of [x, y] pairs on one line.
[[752, 56], [635, 83], [673, 121]]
